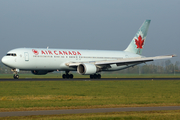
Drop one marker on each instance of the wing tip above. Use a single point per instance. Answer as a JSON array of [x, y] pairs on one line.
[[174, 55]]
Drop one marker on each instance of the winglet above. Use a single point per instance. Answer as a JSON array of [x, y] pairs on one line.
[[174, 55]]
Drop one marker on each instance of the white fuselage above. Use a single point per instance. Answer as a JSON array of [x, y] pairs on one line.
[[56, 59]]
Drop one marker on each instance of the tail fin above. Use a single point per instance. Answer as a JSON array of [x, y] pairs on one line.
[[138, 41]]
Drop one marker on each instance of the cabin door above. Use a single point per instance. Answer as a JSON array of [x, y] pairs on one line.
[[26, 56]]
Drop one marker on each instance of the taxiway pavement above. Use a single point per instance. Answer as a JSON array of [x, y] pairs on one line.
[[78, 111], [84, 79]]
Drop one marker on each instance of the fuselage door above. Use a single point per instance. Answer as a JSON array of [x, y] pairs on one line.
[[26, 56]]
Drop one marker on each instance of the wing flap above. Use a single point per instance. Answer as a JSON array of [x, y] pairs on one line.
[[133, 62]]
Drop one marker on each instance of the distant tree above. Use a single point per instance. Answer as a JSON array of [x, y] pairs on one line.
[[176, 67], [167, 63], [169, 67]]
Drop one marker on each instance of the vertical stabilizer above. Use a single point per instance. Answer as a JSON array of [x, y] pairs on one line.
[[138, 41]]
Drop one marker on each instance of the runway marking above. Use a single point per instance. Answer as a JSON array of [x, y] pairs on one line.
[[78, 111]]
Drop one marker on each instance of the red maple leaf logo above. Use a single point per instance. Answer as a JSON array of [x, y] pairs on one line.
[[35, 52], [139, 42]]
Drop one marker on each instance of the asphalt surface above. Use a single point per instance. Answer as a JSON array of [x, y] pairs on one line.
[[84, 79], [77, 111]]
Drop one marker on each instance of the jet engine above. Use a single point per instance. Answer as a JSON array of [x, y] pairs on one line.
[[40, 72], [87, 69]]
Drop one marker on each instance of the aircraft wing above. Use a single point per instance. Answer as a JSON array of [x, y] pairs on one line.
[[125, 61]]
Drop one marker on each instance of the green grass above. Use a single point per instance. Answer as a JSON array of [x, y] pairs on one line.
[[104, 75], [40, 95]]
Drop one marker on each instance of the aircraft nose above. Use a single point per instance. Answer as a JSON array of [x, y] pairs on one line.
[[4, 60]]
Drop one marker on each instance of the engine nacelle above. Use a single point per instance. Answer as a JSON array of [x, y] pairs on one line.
[[87, 69], [40, 72]]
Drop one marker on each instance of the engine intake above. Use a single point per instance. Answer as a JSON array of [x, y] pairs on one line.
[[87, 69]]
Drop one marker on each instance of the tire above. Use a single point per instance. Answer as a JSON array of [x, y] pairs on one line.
[[99, 76], [91, 77], [16, 76], [67, 76], [71, 76], [95, 76], [64, 76]]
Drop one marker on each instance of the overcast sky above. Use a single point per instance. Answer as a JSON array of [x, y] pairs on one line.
[[89, 24]]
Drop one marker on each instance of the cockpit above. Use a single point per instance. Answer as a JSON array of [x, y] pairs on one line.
[[11, 54]]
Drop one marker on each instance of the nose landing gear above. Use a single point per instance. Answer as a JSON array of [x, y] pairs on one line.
[[15, 76]]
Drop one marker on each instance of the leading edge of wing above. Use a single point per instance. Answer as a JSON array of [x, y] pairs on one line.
[[127, 61]]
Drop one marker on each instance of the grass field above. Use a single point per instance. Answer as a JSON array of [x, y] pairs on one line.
[[42, 95], [46, 95]]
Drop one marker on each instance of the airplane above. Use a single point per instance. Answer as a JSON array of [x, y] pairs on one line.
[[41, 61]]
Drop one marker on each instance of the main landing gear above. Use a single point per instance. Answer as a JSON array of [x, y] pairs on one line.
[[95, 76], [15, 76], [67, 75]]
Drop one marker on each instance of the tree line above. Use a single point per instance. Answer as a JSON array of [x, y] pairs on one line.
[[162, 67]]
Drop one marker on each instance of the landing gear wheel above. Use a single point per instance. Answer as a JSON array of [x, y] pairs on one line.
[[99, 76], [95, 76], [71, 76], [91, 77], [67, 76], [16, 76], [63, 76]]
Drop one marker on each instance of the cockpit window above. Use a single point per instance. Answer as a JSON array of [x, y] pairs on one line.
[[11, 54]]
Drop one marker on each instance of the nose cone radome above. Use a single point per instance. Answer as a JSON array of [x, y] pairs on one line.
[[8, 61], [4, 60]]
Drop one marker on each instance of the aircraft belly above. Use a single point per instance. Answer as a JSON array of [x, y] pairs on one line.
[[46, 63]]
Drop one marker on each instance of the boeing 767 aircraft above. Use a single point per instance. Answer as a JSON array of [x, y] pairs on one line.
[[41, 61]]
